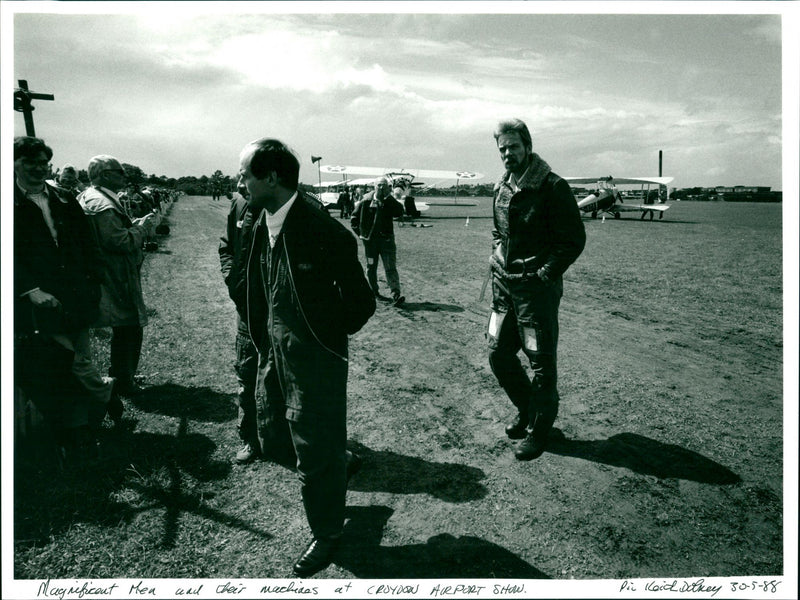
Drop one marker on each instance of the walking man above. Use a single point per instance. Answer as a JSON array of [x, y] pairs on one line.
[[538, 233], [306, 292], [372, 220]]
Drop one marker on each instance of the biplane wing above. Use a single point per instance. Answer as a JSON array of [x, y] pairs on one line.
[[393, 172], [619, 180]]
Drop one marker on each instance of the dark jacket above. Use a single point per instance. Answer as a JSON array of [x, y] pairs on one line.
[[233, 250], [70, 270], [370, 222], [329, 292], [543, 233]]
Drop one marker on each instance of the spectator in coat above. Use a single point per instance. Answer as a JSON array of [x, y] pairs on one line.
[[68, 180], [57, 274], [120, 240], [373, 222], [233, 248]]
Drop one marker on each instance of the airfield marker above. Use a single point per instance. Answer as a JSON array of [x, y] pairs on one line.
[[467, 223]]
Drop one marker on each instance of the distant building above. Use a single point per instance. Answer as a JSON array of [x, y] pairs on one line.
[[736, 193], [743, 193]]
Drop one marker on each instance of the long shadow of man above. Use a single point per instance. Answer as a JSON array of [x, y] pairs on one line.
[[646, 456], [442, 556], [387, 471]]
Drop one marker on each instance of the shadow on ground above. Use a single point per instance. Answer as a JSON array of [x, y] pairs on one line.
[[195, 403], [646, 456], [387, 471], [442, 556], [430, 306], [135, 472]]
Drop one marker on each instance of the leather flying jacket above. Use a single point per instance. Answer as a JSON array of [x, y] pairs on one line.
[[541, 233]]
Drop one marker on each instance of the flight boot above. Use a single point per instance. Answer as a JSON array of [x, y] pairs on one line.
[[517, 430], [535, 441]]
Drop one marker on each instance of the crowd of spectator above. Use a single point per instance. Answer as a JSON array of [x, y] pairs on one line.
[[78, 252]]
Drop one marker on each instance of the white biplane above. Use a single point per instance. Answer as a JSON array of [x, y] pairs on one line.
[[402, 180], [326, 191], [608, 199]]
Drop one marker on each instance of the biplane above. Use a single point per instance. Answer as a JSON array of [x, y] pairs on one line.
[[403, 180], [327, 191], [606, 198]]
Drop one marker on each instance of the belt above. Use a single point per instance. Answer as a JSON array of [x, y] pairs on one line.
[[519, 269]]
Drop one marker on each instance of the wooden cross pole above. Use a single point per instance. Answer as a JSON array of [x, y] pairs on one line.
[[22, 103]]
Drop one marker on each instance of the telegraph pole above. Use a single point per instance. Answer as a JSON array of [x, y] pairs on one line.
[[23, 98]]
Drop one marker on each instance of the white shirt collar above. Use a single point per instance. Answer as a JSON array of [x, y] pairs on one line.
[[275, 221], [513, 180]]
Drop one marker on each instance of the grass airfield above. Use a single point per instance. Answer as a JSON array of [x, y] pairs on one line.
[[667, 462]]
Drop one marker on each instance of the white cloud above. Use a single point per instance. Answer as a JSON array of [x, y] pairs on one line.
[[212, 83]]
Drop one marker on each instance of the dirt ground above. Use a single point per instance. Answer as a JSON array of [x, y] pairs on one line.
[[667, 459]]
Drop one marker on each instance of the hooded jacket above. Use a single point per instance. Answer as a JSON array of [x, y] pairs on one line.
[[120, 243]]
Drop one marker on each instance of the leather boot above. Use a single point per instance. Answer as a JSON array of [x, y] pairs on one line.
[[516, 431], [535, 441]]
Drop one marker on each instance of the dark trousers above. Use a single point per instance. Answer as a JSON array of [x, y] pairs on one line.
[[525, 317], [126, 349], [246, 368], [386, 250], [315, 443]]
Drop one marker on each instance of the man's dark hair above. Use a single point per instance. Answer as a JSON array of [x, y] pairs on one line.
[[514, 126], [273, 155], [29, 147]]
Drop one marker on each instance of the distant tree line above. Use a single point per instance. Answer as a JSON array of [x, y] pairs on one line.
[[219, 184], [205, 185]]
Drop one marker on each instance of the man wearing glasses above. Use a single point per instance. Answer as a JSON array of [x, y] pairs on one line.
[[57, 274], [121, 303]]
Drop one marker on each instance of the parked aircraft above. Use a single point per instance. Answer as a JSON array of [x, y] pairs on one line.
[[404, 179], [606, 198], [327, 192]]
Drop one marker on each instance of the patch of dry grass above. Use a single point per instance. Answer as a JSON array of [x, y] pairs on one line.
[[670, 461]]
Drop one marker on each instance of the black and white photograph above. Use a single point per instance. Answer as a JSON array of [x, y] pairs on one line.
[[399, 299]]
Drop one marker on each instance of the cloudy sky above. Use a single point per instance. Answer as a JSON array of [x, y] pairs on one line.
[[179, 92]]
